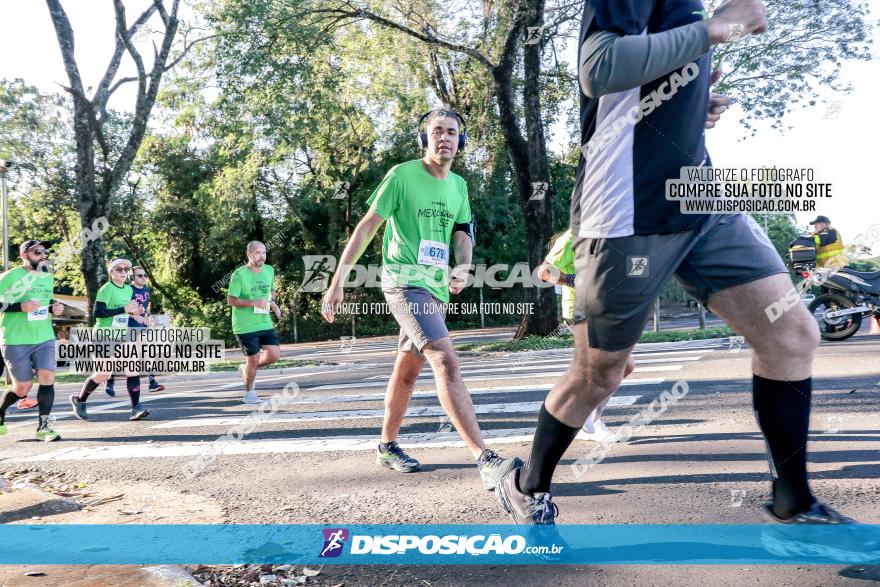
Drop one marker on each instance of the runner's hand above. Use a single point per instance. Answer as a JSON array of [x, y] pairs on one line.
[[275, 309], [260, 303], [458, 279], [718, 103], [735, 19], [330, 303], [139, 319], [30, 306], [133, 308], [57, 308]]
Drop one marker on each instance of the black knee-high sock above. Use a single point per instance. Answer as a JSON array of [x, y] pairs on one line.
[[782, 409], [9, 398], [89, 385], [552, 438], [134, 389], [45, 399]]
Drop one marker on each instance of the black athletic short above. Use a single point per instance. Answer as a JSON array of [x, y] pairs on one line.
[[618, 279], [252, 342]]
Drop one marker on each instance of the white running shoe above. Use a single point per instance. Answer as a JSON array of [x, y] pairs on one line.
[[600, 433], [251, 397]]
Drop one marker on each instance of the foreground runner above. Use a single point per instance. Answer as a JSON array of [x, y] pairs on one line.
[[140, 293], [426, 206], [623, 222], [26, 335], [561, 258], [113, 307], [251, 294]]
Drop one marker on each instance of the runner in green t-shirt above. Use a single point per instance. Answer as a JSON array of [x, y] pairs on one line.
[[558, 268], [26, 334], [427, 210], [251, 294], [113, 306]]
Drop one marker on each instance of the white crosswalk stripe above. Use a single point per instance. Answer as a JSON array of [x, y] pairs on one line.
[[319, 439]]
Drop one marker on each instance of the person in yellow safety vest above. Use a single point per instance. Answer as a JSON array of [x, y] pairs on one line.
[[829, 244], [558, 268]]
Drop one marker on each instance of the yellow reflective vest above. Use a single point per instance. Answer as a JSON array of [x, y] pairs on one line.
[[830, 254]]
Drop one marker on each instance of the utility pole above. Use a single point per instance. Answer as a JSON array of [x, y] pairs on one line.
[[4, 168]]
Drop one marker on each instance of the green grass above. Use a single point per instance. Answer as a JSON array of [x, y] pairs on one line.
[[219, 366], [542, 343]]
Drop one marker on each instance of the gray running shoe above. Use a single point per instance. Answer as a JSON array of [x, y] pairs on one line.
[[538, 512], [79, 408], [395, 458], [139, 413], [493, 467]]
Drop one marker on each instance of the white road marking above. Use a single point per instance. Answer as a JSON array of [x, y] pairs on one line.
[[335, 399], [413, 412], [308, 445]]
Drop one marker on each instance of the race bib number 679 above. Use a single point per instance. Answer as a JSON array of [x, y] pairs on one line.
[[433, 253]]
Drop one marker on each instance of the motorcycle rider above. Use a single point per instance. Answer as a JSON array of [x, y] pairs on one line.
[[829, 244]]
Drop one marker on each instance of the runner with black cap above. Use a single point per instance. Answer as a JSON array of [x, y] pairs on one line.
[[26, 333]]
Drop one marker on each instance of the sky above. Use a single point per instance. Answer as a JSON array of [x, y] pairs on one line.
[[841, 147]]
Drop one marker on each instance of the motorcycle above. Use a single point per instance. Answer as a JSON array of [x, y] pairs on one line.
[[846, 298]]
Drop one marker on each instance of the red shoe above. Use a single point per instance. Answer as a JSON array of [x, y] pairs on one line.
[[26, 403]]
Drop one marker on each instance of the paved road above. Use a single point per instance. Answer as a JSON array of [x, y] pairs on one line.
[[311, 462]]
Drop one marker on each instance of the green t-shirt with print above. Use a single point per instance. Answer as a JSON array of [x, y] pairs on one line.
[[561, 256], [114, 296], [421, 211], [250, 285], [21, 285]]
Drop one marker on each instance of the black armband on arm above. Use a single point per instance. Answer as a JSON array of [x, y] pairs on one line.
[[101, 311], [469, 228], [569, 279], [13, 307]]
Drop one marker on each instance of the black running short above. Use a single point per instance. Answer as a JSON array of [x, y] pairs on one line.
[[618, 279], [252, 342]]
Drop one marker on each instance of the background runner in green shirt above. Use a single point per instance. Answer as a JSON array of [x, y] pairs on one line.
[[251, 294], [426, 208], [26, 335], [113, 305]]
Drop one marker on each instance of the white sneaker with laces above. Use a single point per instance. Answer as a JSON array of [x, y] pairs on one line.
[[600, 433], [251, 397]]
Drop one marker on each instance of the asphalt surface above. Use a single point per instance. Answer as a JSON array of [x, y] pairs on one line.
[[312, 461]]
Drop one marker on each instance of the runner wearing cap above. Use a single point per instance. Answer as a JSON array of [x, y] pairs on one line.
[[26, 335], [141, 293], [113, 307]]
